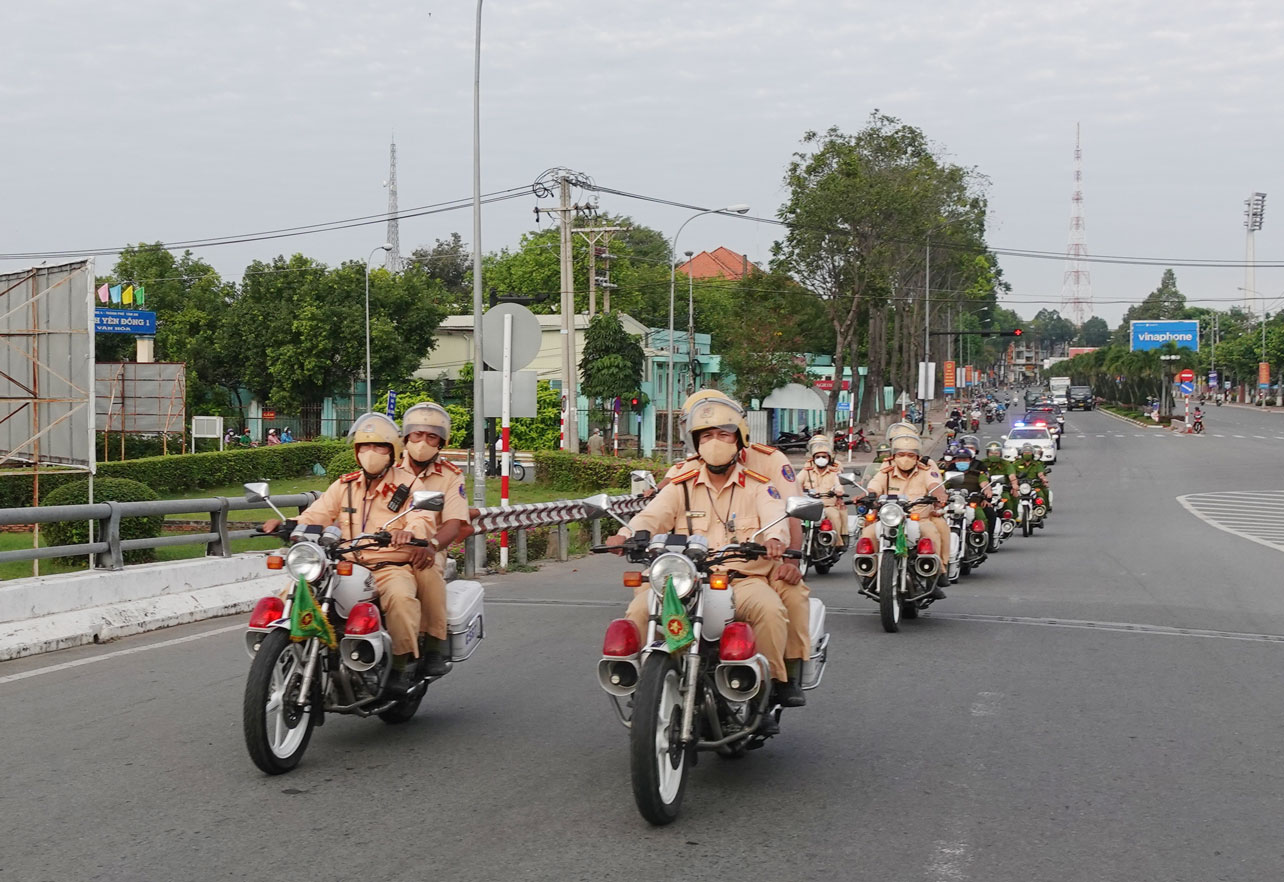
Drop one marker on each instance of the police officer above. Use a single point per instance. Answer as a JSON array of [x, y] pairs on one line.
[[995, 465], [426, 429], [727, 502], [1029, 467], [785, 578], [358, 503], [909, 476], [597, 444], [820, 476]]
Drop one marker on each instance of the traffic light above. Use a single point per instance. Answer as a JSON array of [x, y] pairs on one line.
[[1015, 332], [634, 401]]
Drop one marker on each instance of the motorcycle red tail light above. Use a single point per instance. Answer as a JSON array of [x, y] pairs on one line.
[[738, 643], [978, 526], [926, 546], [1007, 516], [622, 639], [864, 545], [267, 611], [364, 619], [827, 524], [1038, 500]]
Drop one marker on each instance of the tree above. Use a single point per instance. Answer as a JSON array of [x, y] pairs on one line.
[[612, 362], [860, 212], [1048, 327], [1165, 302], [1094, 332], [298, 327], [449, 261]]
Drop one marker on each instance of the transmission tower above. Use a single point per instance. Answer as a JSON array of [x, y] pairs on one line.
[[1076, 283], [392, 260]]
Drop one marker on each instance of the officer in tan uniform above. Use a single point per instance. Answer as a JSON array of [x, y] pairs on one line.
[[726, 502], [786, 579], [906, 474], [426, 429], [358, 503], [820, 475]]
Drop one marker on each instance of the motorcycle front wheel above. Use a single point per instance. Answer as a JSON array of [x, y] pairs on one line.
[[1026, 527], [657, 760], [864, 447], [889, 603], [277, 728]]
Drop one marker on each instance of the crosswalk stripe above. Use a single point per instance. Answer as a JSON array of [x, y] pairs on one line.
[[1249, 514]]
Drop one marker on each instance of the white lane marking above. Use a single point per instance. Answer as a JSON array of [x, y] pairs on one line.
[[1219, 436], [1251, 515], [987, 704], [1260, 437], [1237, 436], [94, 659], [949, 862], [1101, 436]]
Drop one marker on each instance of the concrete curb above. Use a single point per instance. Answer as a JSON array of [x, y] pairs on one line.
[[104, 623], [1127, 420]]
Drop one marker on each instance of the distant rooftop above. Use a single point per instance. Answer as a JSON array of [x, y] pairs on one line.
[[721, 263]]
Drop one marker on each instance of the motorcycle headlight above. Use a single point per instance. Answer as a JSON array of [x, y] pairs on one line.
[[305, 561], [1025, 487], [676, 567], [891, 514]]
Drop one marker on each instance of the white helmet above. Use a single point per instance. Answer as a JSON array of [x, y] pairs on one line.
[[427, 416]]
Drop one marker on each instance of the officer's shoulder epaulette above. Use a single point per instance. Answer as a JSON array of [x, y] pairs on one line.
[[350, 477], [763, 479], [763, 448], [451, 467], [686, 476]]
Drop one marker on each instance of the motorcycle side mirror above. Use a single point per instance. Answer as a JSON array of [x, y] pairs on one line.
[[258, 492], [804, 508], [427, 500], [642, 476], [848, 478], [599, 506]]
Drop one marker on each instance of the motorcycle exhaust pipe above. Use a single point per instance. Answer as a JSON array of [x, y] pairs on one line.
[[741, 680], [362, 652], [865, 565], [927, 564], [618, 676]]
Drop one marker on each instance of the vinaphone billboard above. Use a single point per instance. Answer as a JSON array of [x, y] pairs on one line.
[[1154, 334]]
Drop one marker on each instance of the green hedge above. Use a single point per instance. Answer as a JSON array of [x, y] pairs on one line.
[[105, 490], [182, 472], [577, 473]]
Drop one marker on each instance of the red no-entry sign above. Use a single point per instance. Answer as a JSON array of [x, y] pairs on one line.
[[1186, 376]]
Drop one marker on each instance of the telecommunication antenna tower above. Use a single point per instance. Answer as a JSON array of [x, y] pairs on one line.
[[1076, 283], [392, 260]]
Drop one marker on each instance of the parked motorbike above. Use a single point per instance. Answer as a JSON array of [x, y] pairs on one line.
[[858, 442], [1031, 507], [898, 569], [297, 677], [714, 693], [793, 440]]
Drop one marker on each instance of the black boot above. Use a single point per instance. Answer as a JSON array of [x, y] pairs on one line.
[[938, 590], [432, 661], [789, 693], [402, 677]]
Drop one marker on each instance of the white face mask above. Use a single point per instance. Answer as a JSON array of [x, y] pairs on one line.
[[374, 462], [422, 451], [822, 462], [716, 452]]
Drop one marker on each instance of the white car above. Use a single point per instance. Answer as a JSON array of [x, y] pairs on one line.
[[1037, 437]]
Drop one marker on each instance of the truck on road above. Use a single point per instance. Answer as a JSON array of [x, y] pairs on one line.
[[1060, 387]]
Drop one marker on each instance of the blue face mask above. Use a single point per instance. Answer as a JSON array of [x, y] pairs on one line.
[[960, 466]]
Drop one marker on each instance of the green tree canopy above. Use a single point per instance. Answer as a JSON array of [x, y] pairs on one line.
[[612, 362]]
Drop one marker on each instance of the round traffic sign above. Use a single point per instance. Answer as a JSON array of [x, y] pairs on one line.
[[527, 336], [1186, 376]]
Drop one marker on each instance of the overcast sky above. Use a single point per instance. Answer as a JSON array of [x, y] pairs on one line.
[[174, 120]]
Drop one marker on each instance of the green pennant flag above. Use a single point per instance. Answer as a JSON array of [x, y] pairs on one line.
[[902, 545], [307, 619], [140, 295], [677, 627]]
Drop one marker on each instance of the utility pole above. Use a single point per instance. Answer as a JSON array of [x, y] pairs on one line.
[[592, 235], [566, 211]]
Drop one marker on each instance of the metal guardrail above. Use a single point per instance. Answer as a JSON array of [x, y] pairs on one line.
[[106, 516], [110, 548]]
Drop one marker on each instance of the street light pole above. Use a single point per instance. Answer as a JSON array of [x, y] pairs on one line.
[[739, 208], [370, 380], [691, 321], [478, 556]]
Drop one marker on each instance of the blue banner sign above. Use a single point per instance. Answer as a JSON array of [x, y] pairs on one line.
[[1153, 335], [139, 322]]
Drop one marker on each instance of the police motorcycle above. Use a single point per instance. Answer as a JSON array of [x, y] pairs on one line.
[[822, 538], [1032, 509], [324, 649], [711, 694], [969, 539], [899, 568], [1001, 523]]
